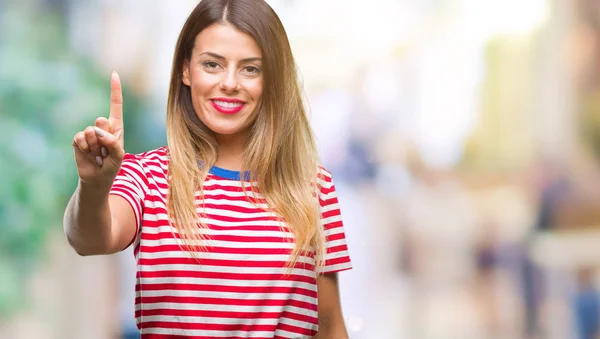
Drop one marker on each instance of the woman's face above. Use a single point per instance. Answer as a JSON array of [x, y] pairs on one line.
[[225, 78]]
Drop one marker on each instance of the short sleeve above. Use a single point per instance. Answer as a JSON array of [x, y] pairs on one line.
[[131, 184], [337, 257]]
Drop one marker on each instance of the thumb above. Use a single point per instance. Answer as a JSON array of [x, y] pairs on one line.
[[111, 142]]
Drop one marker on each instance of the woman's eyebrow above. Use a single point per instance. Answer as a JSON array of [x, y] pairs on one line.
[[220, 57]]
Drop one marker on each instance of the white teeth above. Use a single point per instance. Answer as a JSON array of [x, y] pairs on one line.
[[228, 104]]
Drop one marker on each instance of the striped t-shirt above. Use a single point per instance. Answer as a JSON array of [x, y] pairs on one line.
[[239, 285]]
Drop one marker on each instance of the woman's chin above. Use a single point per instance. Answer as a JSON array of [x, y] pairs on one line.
[[228, 131]]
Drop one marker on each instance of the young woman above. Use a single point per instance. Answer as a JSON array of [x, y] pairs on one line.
[[235, 225]]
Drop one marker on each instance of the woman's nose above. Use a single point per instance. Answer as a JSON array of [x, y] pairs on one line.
[[229, 83]]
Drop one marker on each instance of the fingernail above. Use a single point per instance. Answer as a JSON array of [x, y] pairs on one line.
[[99, 132], [104, 151], [99, 160]]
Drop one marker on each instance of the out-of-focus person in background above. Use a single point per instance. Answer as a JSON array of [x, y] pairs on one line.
[[235, 225], [586, 304]]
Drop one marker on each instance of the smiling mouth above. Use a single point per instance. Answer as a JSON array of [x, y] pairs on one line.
[[228, 107]]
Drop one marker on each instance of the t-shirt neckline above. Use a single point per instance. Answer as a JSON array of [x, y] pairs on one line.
[[228, 174]]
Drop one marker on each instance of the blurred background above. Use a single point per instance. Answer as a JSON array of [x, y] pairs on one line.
[[463, 135]]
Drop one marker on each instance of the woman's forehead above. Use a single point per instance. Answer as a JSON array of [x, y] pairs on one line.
[[226, 41]]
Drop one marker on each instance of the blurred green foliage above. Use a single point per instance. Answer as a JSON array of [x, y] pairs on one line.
[[47, 94]]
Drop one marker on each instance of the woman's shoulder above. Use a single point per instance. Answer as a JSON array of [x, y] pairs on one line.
[[151, 154], [158, 156], [323, 174]]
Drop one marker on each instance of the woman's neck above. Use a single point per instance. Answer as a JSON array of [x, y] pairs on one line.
[[231, 152]]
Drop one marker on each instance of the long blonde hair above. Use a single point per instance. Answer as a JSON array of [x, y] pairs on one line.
[[280, 151]]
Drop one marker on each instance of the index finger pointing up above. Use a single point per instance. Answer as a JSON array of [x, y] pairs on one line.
[[116, 101]]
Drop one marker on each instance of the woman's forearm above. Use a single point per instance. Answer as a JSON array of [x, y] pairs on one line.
[[87, 220], [331, 328], [331, 335]]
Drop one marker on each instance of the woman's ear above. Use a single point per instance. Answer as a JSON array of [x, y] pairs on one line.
[[186, 73]]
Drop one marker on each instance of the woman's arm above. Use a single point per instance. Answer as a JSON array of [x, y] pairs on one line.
[[96, 223], [331, 321]]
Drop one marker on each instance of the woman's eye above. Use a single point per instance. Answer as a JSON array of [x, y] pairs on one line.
[[211, 65], [251, 69]]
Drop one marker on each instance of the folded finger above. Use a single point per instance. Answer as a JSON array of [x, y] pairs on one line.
[[80, 143], [92, 141]]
